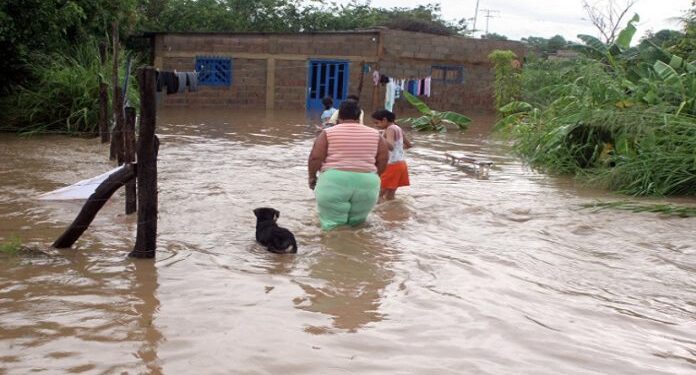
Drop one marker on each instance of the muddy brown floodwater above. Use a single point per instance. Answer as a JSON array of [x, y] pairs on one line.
[[460, 275]]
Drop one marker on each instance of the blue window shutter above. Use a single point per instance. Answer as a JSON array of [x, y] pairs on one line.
[[214, 71]]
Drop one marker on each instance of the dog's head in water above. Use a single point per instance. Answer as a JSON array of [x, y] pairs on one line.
[[266, 214]]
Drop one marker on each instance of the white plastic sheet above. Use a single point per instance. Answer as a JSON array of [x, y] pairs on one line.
[[79, 190]]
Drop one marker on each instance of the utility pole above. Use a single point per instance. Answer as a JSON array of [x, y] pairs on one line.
[[473, 29], [489, 14]]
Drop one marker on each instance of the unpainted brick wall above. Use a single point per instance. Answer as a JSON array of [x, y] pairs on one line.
[[444, 49], [247, 90], [343, 44], [405, 55], [411, 55], [290, 84]]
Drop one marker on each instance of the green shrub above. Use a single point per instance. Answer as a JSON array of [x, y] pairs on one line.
[[507, 77], [64, 97]]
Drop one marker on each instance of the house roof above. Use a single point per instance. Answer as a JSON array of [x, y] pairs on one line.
[[357, 31]]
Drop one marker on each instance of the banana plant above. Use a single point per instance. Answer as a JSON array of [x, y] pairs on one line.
[[681, 77], [608, 53], [432, 120]]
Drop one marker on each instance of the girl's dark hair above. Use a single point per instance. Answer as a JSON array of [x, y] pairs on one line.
[[349, 110], [353, 97], [381, 114], [327, 102]]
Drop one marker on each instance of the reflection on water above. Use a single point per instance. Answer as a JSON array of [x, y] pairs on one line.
[[458, 275], [348, 278], [146, 332]]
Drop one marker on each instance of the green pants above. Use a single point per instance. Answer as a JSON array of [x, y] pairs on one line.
[[345, 198]]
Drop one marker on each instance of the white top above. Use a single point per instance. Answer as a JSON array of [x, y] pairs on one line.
[[397, 154], [334, 117]]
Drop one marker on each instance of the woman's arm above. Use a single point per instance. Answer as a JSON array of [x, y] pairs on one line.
[[382, 157], [316, 158]]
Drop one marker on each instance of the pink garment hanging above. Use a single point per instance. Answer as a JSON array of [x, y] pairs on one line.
[[427, 86], [375, 77]]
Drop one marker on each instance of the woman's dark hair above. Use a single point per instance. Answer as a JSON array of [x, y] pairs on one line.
[[353, 97], [382, 114], [327, 102], [349, 110]]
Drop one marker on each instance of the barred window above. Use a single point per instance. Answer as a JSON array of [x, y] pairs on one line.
[[447, 73], [214, 71]]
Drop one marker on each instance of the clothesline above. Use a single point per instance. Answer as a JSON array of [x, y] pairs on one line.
[[396, 86]]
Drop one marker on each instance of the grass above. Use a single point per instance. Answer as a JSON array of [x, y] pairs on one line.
[[665, 209], [63, 96], [11, 247], [580, 119]]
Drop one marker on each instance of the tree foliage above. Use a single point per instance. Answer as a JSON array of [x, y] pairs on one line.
[[687, 46], [544, 46], [46, 26], [290, 15]]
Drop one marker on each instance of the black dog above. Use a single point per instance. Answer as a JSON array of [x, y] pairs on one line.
[[268, 233]]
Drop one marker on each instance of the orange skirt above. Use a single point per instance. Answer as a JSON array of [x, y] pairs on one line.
[[395, 176]]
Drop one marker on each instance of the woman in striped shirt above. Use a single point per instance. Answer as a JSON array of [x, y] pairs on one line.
[[350, 157]]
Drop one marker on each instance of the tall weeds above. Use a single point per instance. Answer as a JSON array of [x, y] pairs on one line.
[[63, 96], [584, 119]]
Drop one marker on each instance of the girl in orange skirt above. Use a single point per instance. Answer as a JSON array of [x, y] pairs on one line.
[[396, 174]]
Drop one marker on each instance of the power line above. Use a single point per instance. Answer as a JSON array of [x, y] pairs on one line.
[[490, 13]]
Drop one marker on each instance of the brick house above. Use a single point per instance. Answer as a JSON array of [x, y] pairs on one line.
[[295, 70]]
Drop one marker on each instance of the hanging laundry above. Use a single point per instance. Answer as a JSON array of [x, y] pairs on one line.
[[181, 77], [428, 82], [411, 87], [192, 80], [389, 95], [375, 77], [160, 81], [383, 79], [168, 80], [398, 84]]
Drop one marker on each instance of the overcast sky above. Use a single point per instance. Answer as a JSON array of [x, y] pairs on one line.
[[521, 18]]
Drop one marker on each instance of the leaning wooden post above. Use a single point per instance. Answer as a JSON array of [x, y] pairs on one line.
[[116, 151], [129, 157], [95, 202], [103, 99], [146, 238]]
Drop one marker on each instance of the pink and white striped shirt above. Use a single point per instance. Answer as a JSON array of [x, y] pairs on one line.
[[352, 147]]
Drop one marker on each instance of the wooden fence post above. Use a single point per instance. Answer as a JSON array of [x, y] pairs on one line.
[[116, 151], [146, 238], [129, 157], [103, 99]]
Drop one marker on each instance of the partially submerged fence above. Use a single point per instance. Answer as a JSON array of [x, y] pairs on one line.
[[141, 171]]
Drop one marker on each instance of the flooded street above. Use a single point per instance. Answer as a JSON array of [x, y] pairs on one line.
[[459, 275]]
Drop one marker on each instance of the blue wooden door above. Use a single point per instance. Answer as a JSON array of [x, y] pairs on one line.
[[326, 78]]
